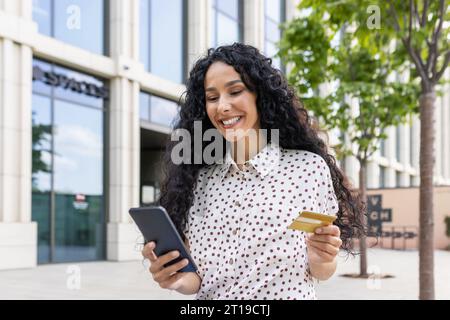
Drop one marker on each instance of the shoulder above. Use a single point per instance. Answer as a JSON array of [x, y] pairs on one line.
[[307, 162], [307, 158]]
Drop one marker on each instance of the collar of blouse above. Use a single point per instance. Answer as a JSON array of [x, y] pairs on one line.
[[263, 162]]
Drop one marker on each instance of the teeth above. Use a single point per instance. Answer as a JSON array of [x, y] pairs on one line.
[[231, 121]]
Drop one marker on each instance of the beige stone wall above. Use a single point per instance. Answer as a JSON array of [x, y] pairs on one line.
[[404, 203]]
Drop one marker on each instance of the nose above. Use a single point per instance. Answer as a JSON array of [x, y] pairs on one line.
[[224, 106]]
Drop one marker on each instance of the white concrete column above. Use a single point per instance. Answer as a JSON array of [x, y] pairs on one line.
[[254, 23], [404, 144], [373, 175], [404, 154], [391, 156], [352, 170], [199, 22], [18, 234], [351, 164], [124, 134]]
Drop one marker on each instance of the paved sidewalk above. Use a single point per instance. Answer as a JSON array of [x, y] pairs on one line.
[[130, 280]]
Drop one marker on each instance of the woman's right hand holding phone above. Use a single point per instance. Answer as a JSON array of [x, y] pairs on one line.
[[170, 277]]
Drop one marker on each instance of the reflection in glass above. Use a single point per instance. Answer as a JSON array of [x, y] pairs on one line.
[[68, 94], [163, 111], [41, 15], [77, 22], [144, 106], [229, 30], [144, 33], [273, 9], [39, 86], [229, 7], [167, 47], [158, 110], [226, 22], [78, 182], [161, 35], [271, 51], [273, 18], [41, 173], [272, 31], [67, 170], [80, 23]]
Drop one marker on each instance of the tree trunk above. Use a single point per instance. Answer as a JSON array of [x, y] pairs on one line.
[[362, 239], [426, 233]]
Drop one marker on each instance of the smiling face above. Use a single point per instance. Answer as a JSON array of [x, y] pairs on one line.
[[230, 105]]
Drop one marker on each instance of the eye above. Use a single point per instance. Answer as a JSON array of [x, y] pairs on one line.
[[211, 98], [235, 93]]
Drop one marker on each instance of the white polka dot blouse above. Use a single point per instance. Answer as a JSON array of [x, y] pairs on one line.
[[237, 227]]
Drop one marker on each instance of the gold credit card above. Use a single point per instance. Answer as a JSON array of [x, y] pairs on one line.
[[308, 221]]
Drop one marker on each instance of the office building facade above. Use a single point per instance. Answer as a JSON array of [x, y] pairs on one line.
[[89, 90]]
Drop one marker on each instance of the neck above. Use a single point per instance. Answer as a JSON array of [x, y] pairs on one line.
[[246, 148]]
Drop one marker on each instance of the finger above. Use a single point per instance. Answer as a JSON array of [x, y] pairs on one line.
[[165, 273], [148, 252], [171, 282], [324, 247], [162, 260], [325, 255], [330, 230], [334, 241]]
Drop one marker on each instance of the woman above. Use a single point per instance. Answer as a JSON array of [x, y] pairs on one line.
[[234, 215]]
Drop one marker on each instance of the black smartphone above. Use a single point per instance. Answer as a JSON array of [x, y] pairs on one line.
[[156, 225]]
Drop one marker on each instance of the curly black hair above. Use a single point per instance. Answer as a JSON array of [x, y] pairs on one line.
[[278, 108]]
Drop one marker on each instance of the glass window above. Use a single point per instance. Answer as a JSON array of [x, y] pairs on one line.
[[41, 15], [398, 179], [274, 16], [162, 38], [68, 90], [227, 26], [383, 148], [229, 7], [158, 110], [78, 181], [272, 31], [68, 84], [39, 69], [67, 173], [229, 30], [163, 111], [144, 106], [41, 172], [411, 144], [397, 143], [77, 22], [144, 33], [382, 177]]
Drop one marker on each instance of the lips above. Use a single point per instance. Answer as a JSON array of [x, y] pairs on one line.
[[230, 122]]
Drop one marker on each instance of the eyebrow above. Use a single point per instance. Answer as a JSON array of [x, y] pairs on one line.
[[228, 84]]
